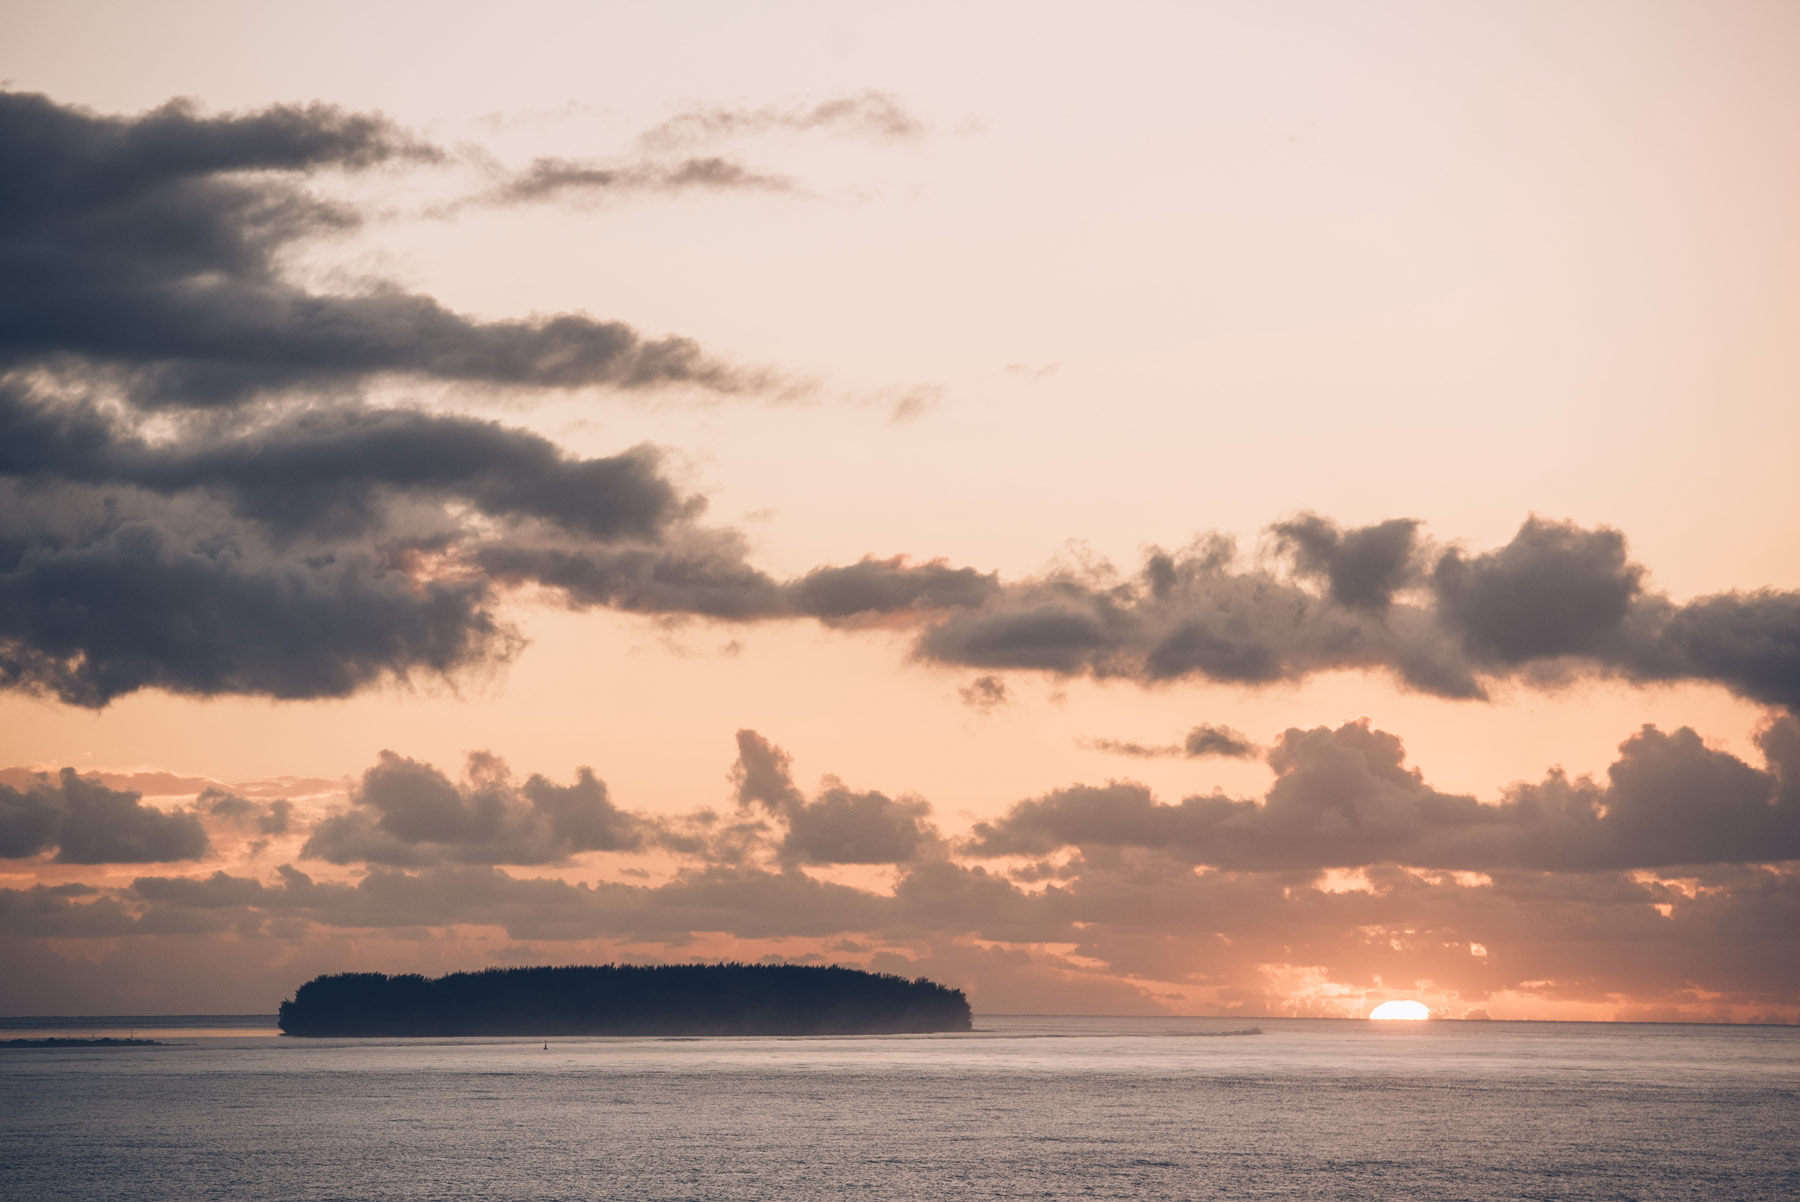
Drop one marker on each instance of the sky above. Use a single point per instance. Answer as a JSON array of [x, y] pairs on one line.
[[1201, 509]]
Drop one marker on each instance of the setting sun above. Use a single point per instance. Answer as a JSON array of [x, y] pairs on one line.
[[1402, 1011]]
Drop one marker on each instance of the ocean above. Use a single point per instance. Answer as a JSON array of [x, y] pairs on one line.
[[1023, 1107]]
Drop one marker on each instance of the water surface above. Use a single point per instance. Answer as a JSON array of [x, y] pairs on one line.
[[1020, 1108]]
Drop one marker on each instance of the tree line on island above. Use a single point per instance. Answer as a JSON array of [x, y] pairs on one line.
[[626, 999]]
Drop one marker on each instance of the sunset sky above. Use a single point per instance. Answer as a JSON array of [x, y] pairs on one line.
[[1195, 508]]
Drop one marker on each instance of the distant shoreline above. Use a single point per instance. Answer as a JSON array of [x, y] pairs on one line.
[[104, 1041]]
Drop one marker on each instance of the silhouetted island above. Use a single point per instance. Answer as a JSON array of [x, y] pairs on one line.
[[621, 999]]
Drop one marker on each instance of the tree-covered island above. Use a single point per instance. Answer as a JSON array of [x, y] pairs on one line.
[[622, 999]]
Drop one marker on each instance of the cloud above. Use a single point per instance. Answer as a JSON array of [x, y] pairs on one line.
[[332, 469], [379, 542], [1362, 568], [325, 549], [747, 903], [337, 545], [1345, 798], [1590, 893], [1748, 642], [593, 181], [408, 813], [557, 179], [152, 783], [1216, 740], [871, 114], [148, 248], [103, 595], [1715, 946], [1200, 612], [985, 692], [883, 586], [1554, 590], [1556, 601], [88, 823], [1203, 740], [838, 825], [263, 817], [706, 574]]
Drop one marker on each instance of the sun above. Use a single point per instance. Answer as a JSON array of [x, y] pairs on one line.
[[1403, 1011]]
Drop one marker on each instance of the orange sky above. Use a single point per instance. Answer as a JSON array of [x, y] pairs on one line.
[[1019, 290]]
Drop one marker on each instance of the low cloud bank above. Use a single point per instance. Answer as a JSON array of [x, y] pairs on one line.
[[1669, 886], [88, 823], [1345, 798]]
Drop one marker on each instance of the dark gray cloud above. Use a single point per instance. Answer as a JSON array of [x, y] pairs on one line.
[[580, 181], [339, 545], [705, 573], [836, 826], [1202, 612], [410, 814], [1748, 642], [302, 551], [1206, 740], [88, 823], [1345, 798], [148, 247], [985, 692], [318, 549], [1554, 590], [326, 549], [1557, 600], [1202, 740], [102, 595], [885, 586], [330, 469], [871, 114], [1362, 568], [333, 516]]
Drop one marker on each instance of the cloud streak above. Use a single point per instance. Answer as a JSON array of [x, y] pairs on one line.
[[1200, 741], [590, 182], [870, 114]]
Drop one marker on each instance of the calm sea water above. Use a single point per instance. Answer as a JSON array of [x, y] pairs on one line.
[[1021, 1108]]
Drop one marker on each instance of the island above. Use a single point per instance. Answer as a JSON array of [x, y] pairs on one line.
[[626, 999]]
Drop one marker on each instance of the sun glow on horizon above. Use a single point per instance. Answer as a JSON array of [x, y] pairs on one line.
[[1400, 1011]]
